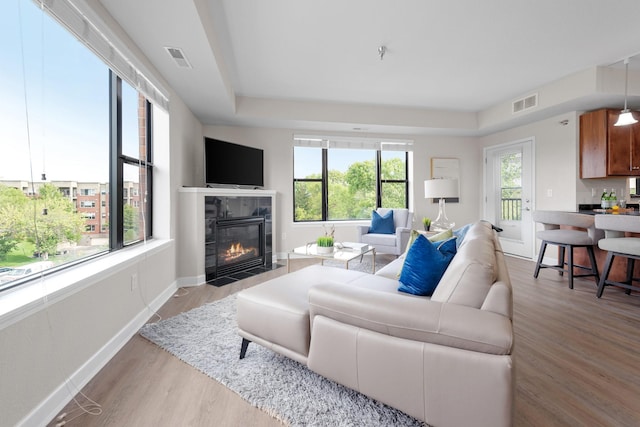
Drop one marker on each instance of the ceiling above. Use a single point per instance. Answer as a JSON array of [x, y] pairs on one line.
[[314, 65]]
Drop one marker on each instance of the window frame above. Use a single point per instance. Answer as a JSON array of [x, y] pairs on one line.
[[324, 182], [116, 167]]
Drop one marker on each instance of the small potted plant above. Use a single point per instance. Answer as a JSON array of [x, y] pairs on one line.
[[427, 223], [325, 243]]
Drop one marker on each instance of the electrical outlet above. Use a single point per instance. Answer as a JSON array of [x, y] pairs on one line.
[[549, 192], [134, 282], [593, 192]]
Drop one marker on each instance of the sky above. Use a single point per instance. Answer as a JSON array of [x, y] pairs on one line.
[[61, 92], [54, 110]]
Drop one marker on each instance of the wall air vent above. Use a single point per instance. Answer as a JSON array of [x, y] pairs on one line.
[[178, 56], [525, 103]]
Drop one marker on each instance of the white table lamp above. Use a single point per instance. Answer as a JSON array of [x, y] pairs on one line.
[[440, 189]]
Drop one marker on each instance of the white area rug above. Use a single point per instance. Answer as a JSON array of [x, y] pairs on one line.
[[206, 338]]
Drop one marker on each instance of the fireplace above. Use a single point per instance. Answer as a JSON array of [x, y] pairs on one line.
[[239, 245]]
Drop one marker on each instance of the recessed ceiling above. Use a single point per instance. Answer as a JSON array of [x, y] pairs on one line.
[[459, 57]]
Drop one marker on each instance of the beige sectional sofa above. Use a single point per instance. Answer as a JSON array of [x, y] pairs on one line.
[[445, 360]]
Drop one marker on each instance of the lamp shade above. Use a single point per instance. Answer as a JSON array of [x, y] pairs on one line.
[[625, 118], [440, 188]]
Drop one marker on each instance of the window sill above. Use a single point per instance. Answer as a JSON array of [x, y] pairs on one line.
[[22, 301], [341, 223]]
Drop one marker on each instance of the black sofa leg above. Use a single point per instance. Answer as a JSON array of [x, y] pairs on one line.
[[243, 347]]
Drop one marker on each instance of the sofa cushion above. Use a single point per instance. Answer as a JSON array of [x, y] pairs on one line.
[[379, 239], [277, 311], [470, 275], [393, 269], [382, 224], [478, 230], [424, 265]]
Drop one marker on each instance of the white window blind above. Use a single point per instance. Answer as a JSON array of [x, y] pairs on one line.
[[354, 143], [91, 32]]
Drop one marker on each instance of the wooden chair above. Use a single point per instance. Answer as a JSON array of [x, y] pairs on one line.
[[617, 244], [567, 240]]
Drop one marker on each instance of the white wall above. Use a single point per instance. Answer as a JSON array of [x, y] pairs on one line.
[[556, 162], [557, 165], [556, 159], [278, 146]]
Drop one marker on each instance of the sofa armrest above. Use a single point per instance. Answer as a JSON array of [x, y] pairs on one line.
[[362, 229], [413, 318]]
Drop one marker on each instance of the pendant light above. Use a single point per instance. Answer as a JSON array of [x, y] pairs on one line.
[[625, 118]]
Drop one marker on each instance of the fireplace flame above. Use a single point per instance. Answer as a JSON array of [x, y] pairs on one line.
[[236, 250]]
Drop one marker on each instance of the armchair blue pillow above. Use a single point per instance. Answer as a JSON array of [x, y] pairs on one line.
[[382, 224], [425, 264]]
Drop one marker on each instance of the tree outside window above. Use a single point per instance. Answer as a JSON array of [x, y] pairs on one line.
[[347, 184]]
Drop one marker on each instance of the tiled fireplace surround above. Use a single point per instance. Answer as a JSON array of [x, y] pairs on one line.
[[229, 234]]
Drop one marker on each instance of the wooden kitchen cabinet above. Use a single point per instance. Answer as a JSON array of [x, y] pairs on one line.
[[608, 150]]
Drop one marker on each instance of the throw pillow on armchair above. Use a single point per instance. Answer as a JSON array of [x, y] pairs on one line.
[[382, 224]]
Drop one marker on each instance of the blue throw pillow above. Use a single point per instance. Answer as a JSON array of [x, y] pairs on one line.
[[460, 233], [425, 264], [382, 224]]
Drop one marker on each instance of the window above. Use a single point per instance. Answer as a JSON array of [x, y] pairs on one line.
[[346, 179], [65, 98], [634, 188]]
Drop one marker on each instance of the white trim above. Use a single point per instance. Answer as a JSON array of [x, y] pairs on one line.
[[351, 142], [215, 191], [190, 281], [58, 399], [485, 212], [25, 300]]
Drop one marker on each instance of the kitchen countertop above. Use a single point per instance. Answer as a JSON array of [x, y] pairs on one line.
[[631, 209]]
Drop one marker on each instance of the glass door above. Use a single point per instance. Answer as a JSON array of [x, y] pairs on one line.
[[508, 195]]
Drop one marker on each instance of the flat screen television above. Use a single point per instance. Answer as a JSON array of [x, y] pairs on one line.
[[232, 164]]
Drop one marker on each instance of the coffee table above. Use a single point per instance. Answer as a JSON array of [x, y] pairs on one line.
[[345, 255]]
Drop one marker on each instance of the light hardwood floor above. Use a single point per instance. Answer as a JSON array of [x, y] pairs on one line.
[[577, 361]]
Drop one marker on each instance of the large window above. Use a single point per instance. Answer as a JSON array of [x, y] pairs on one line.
[[73, 137], [347, 179]]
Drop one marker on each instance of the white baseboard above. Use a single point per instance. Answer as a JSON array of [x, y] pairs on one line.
[[56, 401], [186, 282]]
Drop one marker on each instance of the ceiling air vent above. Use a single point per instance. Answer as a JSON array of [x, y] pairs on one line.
[[526, 103], [178, 56]]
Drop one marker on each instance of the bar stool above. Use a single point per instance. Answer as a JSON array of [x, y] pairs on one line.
[[567, 240], [617, 244]]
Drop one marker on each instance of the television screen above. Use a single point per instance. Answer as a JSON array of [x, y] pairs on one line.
[[232, 164]]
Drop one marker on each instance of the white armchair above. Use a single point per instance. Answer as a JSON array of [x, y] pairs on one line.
[[389, 243]]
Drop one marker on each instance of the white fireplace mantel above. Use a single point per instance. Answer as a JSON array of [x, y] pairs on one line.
[[223, 191]]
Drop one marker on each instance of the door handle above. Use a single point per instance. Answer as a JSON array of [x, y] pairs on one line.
[[527, 209]]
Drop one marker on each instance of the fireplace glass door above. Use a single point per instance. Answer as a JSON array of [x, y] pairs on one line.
[[240, 244]]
